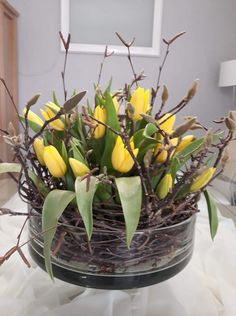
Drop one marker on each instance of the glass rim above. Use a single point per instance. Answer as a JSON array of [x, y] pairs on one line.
[[82, 230]]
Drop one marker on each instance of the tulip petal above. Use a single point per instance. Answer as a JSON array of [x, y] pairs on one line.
[[54, 162], [33, 117], [79, 169], [168, 124]]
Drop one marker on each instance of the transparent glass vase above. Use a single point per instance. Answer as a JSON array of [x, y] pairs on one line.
[[155, 254]]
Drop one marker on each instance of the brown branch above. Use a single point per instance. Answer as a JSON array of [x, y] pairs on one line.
[[128, 45], [154, 92], [46, 123], [168, 43], [66, 44], [6, 211], [105, 55], [12, 101]]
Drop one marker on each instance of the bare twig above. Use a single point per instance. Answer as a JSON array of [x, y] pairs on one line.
[[168, 43], [128, 45], [66, 44], [12, 101], [106, 54]]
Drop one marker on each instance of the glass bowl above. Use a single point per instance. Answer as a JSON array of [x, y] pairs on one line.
[[155, 254]]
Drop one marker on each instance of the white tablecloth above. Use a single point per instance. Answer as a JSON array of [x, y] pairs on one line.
[[206, 287]]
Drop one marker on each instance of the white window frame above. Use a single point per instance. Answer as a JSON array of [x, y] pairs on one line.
[[153, 51]]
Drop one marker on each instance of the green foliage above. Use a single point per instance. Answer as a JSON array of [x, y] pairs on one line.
[[40, 185], [110, 137], [85, 191], [212, 214], [34, 126], [50, 216], [130, 193], [9, 167]]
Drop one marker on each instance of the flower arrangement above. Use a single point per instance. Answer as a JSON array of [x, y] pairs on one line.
[[100, 168]]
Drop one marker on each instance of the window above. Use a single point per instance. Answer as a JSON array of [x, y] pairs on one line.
[[93, 24]]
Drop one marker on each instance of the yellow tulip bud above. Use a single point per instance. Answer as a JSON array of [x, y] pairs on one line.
[[161, 151], [54, 162], [167, 125], [58, 125], [100, 114], [33, 117], [121, 158], [202, 180], [55, 108], [79, 169], [164, 186], [140, 103], [185, 141], [39, 150]]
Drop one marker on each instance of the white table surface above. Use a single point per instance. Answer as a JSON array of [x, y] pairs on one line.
[[206, 287]]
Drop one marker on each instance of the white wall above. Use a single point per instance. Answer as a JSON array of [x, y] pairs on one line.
[[210, 39]]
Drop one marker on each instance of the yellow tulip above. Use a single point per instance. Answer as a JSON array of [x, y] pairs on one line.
[[58, 125], [161, 150], [121, 158], [164, 186], [54, 162], [168, 124], [39, 150], [33, 117], [100, 114], [79, 169], [185, 141], [160, 153], [202, 179], [140, 103], [55, 108]]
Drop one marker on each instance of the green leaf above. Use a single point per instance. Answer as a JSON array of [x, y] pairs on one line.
[[70, 180], [138, 137], [34, 126], [98, 148], [76, 153], [40, 185], [85, 191], [130, 193], [212, 214], [196, 145], [9, 167], [175, 165], [55, 100], [64, 152], [54, 205], [103, 192], [149, 130], [110, 137], [184, 155]]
